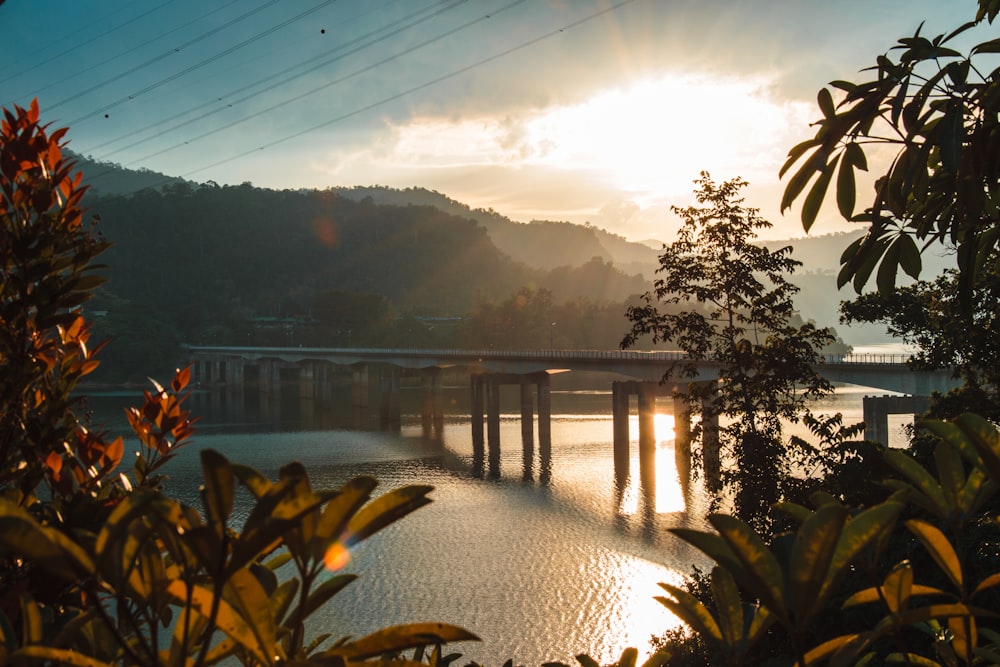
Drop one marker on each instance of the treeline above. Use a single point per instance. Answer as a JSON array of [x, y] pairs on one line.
[[245, 265]]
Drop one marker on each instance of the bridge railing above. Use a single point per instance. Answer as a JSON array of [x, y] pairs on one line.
[[549, 354]]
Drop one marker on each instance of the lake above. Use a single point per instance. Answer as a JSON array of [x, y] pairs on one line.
[[540, 570]]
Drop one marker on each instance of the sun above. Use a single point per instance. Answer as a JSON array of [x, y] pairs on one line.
[[653, 137]]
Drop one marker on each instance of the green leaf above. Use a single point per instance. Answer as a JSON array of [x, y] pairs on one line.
[[897, 587], [922, 481], [887, 270], [859, 532], [825, 101], [219, 488], [338, 512], [909, 256], [48, 654], [49, 549], [228, 619], [247, 597], [802, 177], [940, 549], [690, 609], [814, 200], [729, 604], [815, 544], [846, 190], [985, 438], [762, 575], [400, 638], [385, 510], [854, 643]]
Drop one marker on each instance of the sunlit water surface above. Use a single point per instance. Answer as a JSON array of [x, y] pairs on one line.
[[541, 568]]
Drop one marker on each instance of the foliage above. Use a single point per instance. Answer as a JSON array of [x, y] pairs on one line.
[[731, 303], [46, 250], [99, 566], [935, 109], [924, 314], [793, 577]]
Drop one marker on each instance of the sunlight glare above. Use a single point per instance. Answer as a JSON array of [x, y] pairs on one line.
[[649, 139], [337, 557], [654, 137]]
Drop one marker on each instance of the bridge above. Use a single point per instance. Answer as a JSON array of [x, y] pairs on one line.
[[641, 373]]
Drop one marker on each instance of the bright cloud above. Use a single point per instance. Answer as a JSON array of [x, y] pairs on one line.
[[647, 141]]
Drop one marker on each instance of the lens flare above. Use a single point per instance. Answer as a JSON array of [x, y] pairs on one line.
[[337, 557]]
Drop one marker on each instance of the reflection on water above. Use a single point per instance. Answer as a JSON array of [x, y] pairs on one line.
[[541, 566]]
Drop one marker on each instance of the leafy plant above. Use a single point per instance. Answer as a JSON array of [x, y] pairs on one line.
[[935, 108], [793, 578], [101, 567], [722, 298]]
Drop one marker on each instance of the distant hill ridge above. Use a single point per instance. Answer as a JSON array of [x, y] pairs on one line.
[[548, 245], [542, 244]]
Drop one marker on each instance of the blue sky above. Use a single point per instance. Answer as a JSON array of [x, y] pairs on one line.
[[600, 111]]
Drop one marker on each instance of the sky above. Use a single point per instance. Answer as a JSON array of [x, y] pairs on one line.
[[587, 111]]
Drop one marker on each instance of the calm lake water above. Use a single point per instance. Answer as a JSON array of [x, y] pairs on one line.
[[540, 570]]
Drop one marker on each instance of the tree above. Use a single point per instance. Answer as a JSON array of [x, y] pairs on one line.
[[738, 313], [924, 315], [936, 109]]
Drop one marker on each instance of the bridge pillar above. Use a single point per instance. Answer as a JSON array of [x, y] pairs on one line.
[[389, 415], [493, 423], [270, 377], [878, 408], [682, 442], [431, 413], [710, 440], [527, 425], [544, 426], [359, 386], [476, 396], [307, 381], [236, 371], [619, 415], [647, 437]]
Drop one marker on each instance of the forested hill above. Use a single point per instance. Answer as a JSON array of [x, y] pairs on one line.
[[206, 262], [541, 243]]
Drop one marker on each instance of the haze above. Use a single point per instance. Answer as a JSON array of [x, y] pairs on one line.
[[598, 112]]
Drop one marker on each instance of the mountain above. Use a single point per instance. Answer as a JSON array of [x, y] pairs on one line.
[[395, 242], [541, 244]]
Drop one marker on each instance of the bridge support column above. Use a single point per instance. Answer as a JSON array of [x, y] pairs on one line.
[[682, 443], [878, 408], [493, 423], [307, 381], [236, 374], [270, 377], [527, 425], [359, 386], [431, 413], [476, 396], [647, 437], [710, 446], [389, 416], [619, 413], [544, 427]]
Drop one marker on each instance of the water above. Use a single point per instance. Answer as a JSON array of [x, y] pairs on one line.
[[540, 570]]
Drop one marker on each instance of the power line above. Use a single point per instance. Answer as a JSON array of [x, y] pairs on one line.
[[90, 39], [134, 48], [198, 65], [336, 81], [390, 30], [414, 89]]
